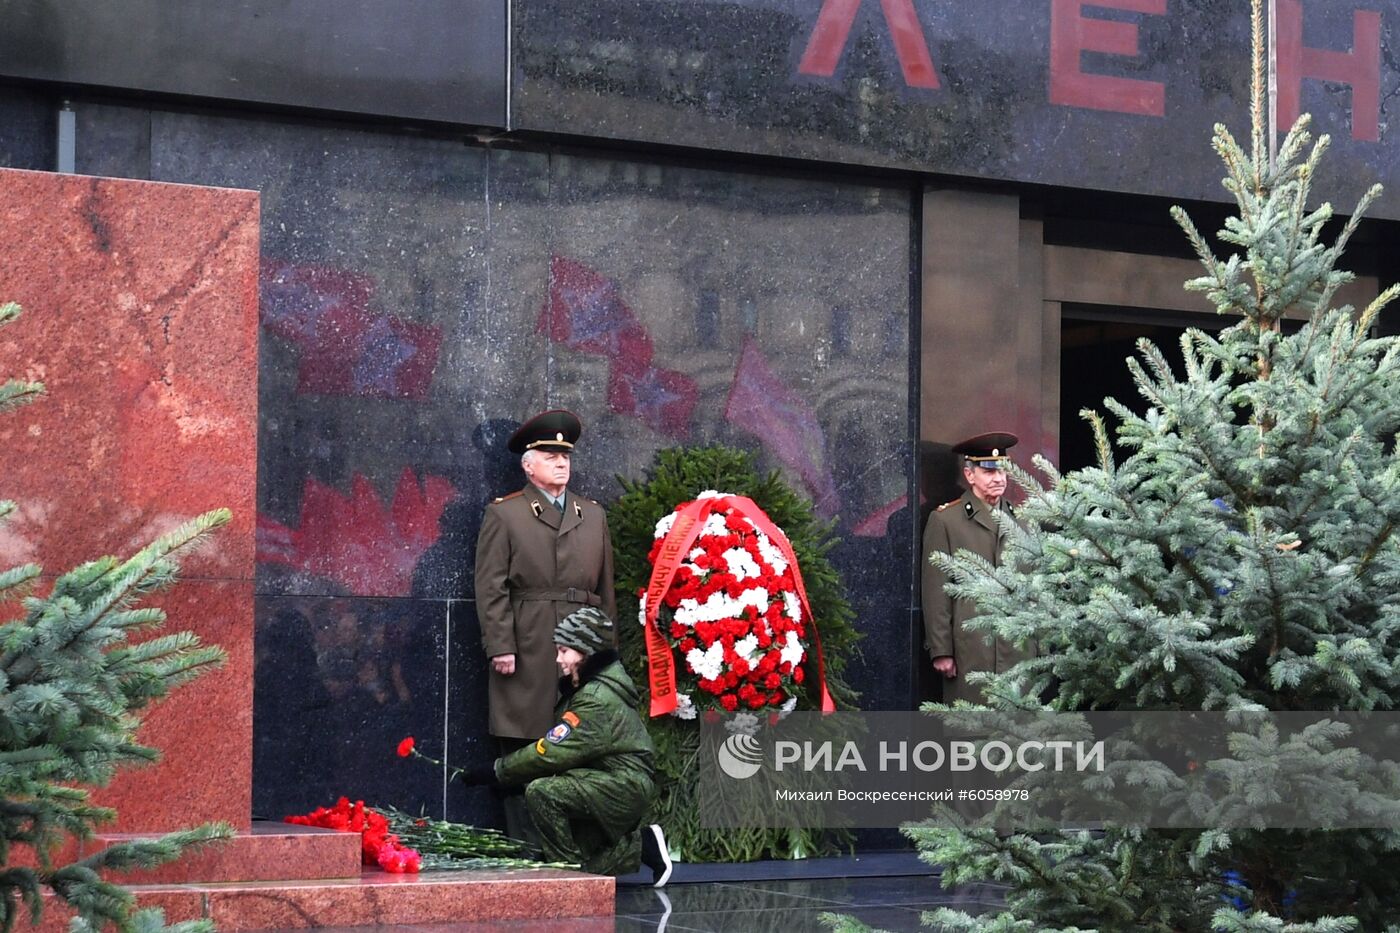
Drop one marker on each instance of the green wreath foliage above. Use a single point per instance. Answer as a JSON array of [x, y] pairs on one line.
[[678, 475]]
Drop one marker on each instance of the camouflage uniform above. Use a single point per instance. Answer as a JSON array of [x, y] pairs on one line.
[[588, 781]]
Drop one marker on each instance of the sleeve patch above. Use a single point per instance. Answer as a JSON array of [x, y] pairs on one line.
[[539, 746], [571, 718], [558, 734]]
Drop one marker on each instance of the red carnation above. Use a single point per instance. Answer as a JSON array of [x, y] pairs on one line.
[[729, 702], [406, 747]]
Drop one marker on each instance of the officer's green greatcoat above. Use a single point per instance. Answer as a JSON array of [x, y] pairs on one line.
[[534, 566], [588, 780], [964, 524]]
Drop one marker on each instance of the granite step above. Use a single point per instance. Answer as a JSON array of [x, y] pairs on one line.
[[269, 852], [375, 898]]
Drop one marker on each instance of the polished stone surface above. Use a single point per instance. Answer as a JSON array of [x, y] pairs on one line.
[[884, 682], [205, 730], [467, 738], [29, 137], [419, 297], [270, 852], [893, 904], [1084, 95], [431, 897], [140, 317], [339, 683], [665, 304], [377, 900], [426, 59]]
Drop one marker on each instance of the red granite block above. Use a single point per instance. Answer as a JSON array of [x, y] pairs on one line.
[[24, 856], [432, 897], [141, 317], [178, 904], [271, 852], [204, 730]]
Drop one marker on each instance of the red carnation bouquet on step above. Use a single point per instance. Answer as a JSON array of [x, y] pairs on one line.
[[378, 846]]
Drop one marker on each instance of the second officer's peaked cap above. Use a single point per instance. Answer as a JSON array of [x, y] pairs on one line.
[[556, 430], [987, 450]]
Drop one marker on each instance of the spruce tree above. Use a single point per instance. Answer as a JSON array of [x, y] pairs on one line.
[[73, 687], [1234, 548]]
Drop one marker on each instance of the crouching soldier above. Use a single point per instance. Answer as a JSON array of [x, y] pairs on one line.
[[588, 781]]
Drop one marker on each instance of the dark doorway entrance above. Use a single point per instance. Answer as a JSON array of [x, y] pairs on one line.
[[1095, 343]]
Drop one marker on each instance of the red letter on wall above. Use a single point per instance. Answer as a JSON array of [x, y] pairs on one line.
[[1360, 68], [834, 28], [1072, 33]]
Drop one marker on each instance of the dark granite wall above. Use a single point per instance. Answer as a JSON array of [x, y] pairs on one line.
[[1110, 95], [28, 129], [421, 295]]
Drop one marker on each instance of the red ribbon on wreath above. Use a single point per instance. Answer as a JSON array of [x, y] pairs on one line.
[[689, 521]]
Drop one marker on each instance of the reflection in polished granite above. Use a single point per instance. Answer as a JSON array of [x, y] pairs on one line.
[[415, 291], [890, 904], [728, 75], [338, 683], [467, 740], [883, 670], [420, 296]]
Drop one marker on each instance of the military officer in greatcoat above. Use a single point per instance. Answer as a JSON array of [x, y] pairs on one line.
[[967, 523], [542, 553]]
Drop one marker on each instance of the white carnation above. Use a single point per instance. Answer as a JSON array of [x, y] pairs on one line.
[[707, 664], [792, 651], [741, 563], [756, 597], [771, 554], [746, 646], [714, 525], [685, 707], [717, 606], [792, 605], [642, 610], [711, 494], [788, 706], [663, 527]]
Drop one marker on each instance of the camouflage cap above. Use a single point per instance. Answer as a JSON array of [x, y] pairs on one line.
[[586, 630]]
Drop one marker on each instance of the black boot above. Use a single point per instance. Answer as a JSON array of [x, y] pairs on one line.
[[655, 855]]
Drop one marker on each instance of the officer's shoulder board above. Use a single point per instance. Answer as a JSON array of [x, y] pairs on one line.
[[949, 504], [499, 499]]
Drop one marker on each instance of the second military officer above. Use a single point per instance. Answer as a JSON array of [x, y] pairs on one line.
[[967, 523]]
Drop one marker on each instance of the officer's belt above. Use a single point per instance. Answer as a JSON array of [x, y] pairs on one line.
[[572, 595]]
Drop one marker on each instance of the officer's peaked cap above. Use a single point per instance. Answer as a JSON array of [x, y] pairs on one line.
[[988, 450], [557, 430]]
